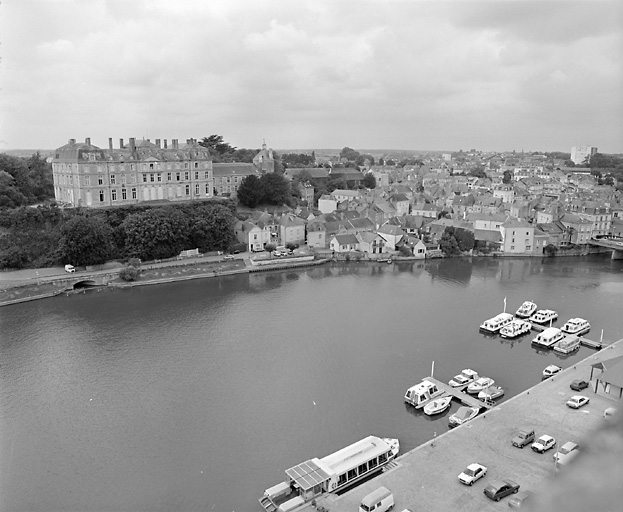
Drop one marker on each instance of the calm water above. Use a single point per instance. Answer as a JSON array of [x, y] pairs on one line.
[[198, 395]]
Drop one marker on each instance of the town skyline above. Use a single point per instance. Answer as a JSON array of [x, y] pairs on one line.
[[496, 76]]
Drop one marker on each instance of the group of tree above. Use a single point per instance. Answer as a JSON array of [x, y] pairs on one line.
[[298, 160], [359, 159], [24, 181], [269, 188], [48, 236], [456, 241], [223, 152]]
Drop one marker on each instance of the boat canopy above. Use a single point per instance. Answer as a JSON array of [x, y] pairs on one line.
[[357, 453], [308, 474]]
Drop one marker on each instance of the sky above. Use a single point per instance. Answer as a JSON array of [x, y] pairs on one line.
[[493, 75]]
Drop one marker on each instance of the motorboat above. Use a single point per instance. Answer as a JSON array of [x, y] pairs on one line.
[[569, 344], [463, 415], [491, 393], [548, 338], [422, 393], [577, 326], [493, 325], [526, 310], [480, 384], [543, 316], [438, 405], [516, 328], [463, 378]]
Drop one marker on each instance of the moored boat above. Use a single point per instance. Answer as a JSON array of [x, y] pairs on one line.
[[463, 378], [491, 393], [577, 326], [543, 316], [526, 310], [568, 344], [548, 338], [332, 473], [493, 325], [479, 384], [515, 328], [422, 393], [462, 415], [438, 405]]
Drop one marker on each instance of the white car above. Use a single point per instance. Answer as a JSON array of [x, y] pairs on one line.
[[70, 268], [544, 443], [551, 370], [577, 401], [472, 473]]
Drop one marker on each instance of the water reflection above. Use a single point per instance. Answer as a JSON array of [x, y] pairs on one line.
[[454, 270]]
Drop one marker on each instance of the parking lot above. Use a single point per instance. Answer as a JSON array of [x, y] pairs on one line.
[[427, 477]]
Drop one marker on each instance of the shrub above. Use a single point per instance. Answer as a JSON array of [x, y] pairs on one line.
[[129, 273]]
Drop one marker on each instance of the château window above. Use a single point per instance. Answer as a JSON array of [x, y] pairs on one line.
[[159, 177], [187, 190], [196, 165], [207, 189], [100, 180], [151, 177], [113, 179], [168, 176], [197, 189], [113, 194], [124, 194], [133, 193], [196, 175], [87, 181], [206, 175], [123, 178], [144, 178], [177, 176], [101, 196], [186, 175]]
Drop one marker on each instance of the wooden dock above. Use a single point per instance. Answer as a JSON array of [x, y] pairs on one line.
[[464, 398], [598, 345]]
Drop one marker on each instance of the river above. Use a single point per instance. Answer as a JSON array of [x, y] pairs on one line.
[[196, 396]]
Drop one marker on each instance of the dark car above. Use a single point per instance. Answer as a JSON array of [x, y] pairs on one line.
[[500, 488], [578, 385], [523, 437]]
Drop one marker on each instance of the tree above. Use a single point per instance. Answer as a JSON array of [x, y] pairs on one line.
[[156, 233], [250, 192], [85, 240], [276, 189], [369, 181], [508, 177], [464, 238], [129, 273], [349, 154], [216, 145], [448, 243]]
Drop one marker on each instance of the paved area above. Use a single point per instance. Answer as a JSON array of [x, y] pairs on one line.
[[426, 477]]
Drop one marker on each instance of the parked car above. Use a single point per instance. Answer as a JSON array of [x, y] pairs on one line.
[[523, 437], [578, 385], [565, 450], [70, 268], [544, 443], [551, 370], [520, 499], [229, 257], [500, 488], [472, 473], [577, 401]]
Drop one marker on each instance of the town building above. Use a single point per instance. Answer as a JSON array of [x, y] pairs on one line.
[[86, 175], [580, 154]]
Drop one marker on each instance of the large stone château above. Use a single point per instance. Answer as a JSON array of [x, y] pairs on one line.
[[86, 175]]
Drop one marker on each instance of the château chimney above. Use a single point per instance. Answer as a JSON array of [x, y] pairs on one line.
[[165, 143], [132, 144], [158, 143], [72, 141], [87, 141], [120, 143], [110, 143], [174, 143]]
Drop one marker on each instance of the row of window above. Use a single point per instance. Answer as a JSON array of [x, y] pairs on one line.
[[114, 193], [133, 167], [157, 177]]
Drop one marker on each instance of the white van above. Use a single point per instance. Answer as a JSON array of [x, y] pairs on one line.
[[380, 500]]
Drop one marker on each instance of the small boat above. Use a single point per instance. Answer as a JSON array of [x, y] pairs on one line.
[[551, 370], [491, 393], [422, 393], [526, 310], [463, 415], [577, 326], [438, 405], [463, 378], [543, 316], [548, 338], [569, 344], [515, 328], [479, 384], [494, 324]]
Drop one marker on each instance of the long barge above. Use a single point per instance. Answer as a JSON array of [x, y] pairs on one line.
[[331, 474]]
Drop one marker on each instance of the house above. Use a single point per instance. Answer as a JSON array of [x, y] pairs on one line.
[[517, 237], [327, 203], [344, 243], [292, 230], [229, 176], [391, 234], [317, 234], [254, 235], [425, 210], [371, 243], [400, 202], [609, 382], [414, 244]]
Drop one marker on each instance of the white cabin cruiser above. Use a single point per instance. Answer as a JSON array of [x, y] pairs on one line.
[[516, 328], [494, 324], [463, 378], [577, 326], [526, 310], [479, 384], [543, 316], [422, 393]]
